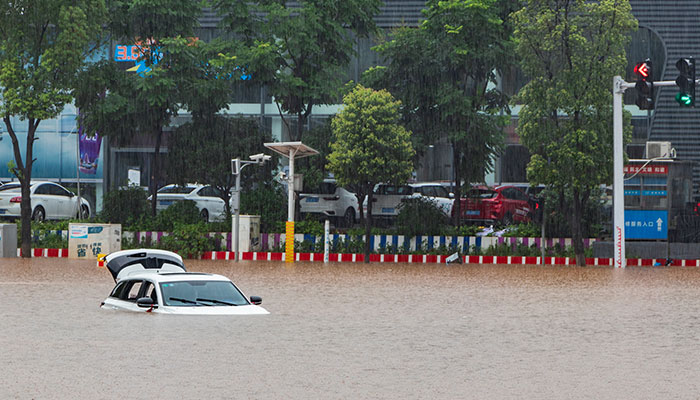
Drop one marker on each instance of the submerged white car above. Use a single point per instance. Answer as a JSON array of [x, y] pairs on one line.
[[150, 280]]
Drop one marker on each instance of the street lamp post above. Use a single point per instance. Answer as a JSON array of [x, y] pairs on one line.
[[236, 166], [292, 150]]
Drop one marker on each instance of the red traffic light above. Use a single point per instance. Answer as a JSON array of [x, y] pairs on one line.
[[642, 69]]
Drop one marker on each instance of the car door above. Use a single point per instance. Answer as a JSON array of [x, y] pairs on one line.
[[522, 211], [66, 202], [43, 197], [515, 203], [441, 197], [125, 294], [209, 198]]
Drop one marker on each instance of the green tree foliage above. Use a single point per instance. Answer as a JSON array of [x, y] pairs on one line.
[[126, 206], [314, 168], [299, 52], [43, 45], [445, 74], [201, 151], [571, 49], [144, 102], [268, 200], [370, 145]]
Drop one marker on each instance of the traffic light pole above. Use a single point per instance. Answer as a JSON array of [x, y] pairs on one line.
[[619, 87]]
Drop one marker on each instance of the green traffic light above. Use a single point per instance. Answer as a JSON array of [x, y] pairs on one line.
[[684, 99]]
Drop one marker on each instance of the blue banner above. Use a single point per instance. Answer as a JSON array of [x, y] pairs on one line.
[[646, 224]]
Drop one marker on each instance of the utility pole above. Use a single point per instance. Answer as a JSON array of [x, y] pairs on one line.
[[619, 87], [236, 166]]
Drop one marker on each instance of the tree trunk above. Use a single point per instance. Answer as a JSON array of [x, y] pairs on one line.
[[23, 172], [155, 170], [368, 225], [457, 205], [577, 229]]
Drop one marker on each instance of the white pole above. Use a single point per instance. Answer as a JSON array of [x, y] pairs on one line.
[[80, 202], [326, 240], [237, 212], [290, 188], [618, 177]]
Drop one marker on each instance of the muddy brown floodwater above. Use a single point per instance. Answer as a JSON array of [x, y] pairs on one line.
[[377, 331]]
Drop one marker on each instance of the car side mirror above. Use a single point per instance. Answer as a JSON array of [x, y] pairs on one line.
[[451, 195], [257, 300], [146, 302]]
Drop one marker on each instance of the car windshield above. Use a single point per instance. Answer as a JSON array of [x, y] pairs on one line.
[[201, 293], [176, 189], [11, 188]]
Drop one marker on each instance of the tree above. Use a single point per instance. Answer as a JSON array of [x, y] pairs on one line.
[[43, 45], [445, 74], [571, 49], [201, 151], [370, 145], [143, 102], [299, 52]]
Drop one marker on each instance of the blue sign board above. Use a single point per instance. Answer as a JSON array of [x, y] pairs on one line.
[[646, 224]]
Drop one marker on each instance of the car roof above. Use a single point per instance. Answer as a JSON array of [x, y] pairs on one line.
[[421, 184], [160, 277]]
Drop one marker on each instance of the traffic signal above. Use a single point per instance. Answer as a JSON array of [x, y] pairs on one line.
[[644, 85], [686, 82]]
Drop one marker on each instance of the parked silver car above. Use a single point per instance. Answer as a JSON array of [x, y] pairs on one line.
[[49, 201], [206, 197], [388, 197], [331, 200]]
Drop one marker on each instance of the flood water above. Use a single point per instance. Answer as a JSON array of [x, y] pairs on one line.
[[377, 331]]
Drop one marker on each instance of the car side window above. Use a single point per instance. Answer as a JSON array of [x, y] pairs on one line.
[[118, 290], [441, 191], [59, 191], [519, 195], [132, 291], [205, 192], [43, 189], [508, 193], [150, 291]]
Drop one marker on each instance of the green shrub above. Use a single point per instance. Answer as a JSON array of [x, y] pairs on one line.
[[309, 226], [523, 230], [180, 212], [125, 206], [50, 241], [269, 202], [420, 216], [190, 240], [466, 230]]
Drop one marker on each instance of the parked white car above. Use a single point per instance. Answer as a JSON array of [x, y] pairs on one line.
[[206, 197], [150, 280], [387, 197], [332, 201], [49, 201]]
